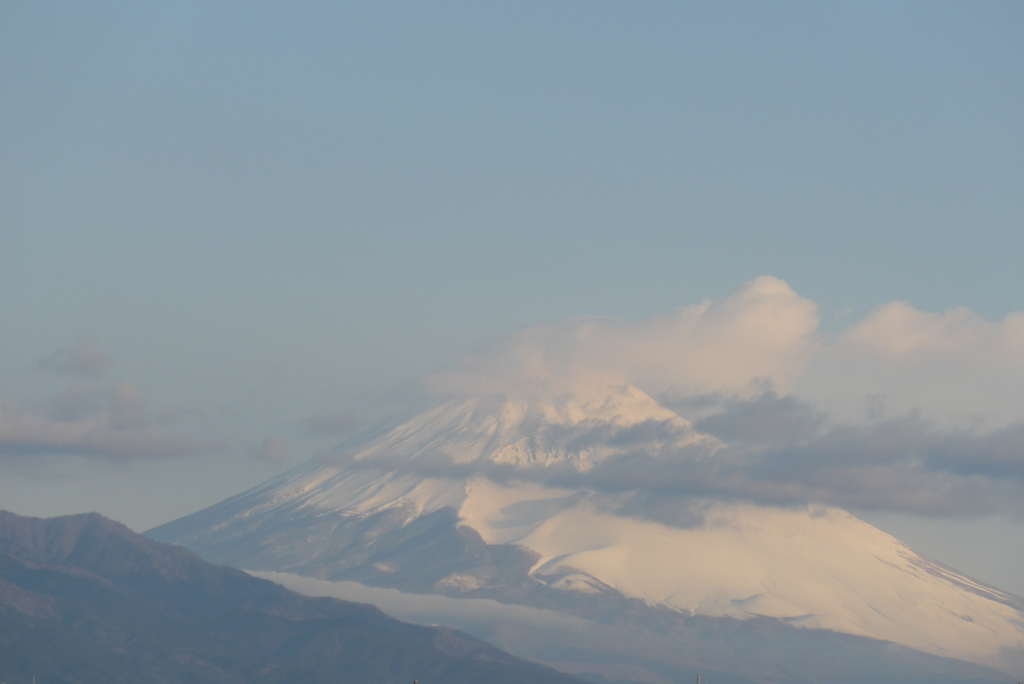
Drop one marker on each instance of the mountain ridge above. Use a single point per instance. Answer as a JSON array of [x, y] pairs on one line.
[[85, 599]]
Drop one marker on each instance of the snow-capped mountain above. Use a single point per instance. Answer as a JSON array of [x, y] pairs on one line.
[[539, 503]]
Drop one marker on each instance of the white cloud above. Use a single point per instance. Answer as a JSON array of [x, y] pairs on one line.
[[953, 366], [897, 328], [762, 331]]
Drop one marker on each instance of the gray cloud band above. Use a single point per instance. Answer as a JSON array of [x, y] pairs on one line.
[[903, 464], [107, 436]]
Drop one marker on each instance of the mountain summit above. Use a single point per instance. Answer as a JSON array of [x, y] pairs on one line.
[[563, 432], [555, 504]]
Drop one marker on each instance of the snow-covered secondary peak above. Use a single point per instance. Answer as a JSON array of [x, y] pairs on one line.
[[565, 431]]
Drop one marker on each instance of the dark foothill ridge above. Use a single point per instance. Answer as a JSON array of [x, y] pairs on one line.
[[84, 599]]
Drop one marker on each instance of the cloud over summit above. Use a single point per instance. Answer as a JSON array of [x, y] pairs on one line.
[[943, 433], [952, 366], [763, 330]]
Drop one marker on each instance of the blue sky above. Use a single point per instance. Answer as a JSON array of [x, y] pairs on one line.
[[266, 218]]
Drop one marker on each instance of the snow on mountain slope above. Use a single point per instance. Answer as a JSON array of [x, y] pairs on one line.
[[819, 568], [811, 567], [570, 432]]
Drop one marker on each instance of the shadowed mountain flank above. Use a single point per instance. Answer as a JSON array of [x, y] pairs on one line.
[[84, 599]]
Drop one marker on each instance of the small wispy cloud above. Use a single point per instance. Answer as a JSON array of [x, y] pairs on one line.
[[127, 406], [82, 359], [332, 425], [77, 402], [27, 433], [273, 449], [86, 421]]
